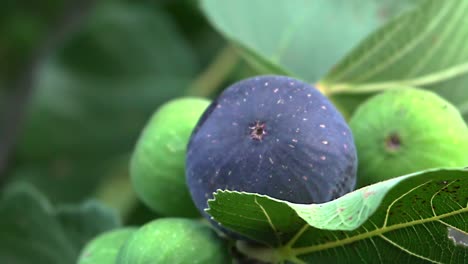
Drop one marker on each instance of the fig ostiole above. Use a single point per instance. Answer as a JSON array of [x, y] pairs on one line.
[[157, 166], [272, 135], [174, 240], [407, 130], [104, 248]]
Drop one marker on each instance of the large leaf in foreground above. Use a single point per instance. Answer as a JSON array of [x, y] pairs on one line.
[[33, 231], [423, 47], [406, 219], [302, 38]]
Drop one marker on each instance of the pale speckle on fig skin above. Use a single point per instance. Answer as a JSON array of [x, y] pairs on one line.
[[295, 107]]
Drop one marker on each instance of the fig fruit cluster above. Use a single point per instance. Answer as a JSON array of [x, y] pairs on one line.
[[275, 136]]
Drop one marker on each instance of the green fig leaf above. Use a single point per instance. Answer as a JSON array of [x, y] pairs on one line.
[[298, 38], [423, 47], [125, 39], [409, 217], [82, 222], [33, 231]]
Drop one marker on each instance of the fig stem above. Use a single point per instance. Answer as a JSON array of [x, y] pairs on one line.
[[322, 88], [212, 77]]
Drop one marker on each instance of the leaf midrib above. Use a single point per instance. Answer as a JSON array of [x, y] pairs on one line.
[[376, 232], [432, 78]]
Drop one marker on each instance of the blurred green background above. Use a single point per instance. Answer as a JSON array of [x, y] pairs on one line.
[[78, 81]]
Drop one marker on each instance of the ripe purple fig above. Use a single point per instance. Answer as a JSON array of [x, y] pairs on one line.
[[271, 135]]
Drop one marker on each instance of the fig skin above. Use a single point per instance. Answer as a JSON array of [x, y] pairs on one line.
[[157, 166], [174, 240], [407, 130], [272, 135], [104, 248]]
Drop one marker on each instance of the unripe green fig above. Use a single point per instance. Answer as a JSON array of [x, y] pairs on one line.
[[104, 248], [407, 130], [157, 165], [173, 240]]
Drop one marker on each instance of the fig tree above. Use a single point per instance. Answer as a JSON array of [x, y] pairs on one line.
[[271, 135], [157, 166], [407, 130], [173, 240]]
